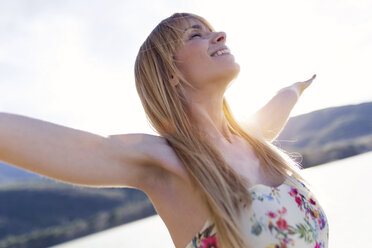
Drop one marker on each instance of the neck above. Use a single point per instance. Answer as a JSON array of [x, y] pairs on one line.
[[207, 113]]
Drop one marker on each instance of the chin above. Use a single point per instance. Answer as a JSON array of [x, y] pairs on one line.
[[227, 75], [237, 67], [233, 71]]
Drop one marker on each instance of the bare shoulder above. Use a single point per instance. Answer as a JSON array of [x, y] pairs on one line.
[[164, 163]]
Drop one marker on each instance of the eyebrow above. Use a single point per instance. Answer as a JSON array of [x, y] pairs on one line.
[[194, 27]]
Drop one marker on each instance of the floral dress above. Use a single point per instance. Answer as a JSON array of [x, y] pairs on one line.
[[280, 217]]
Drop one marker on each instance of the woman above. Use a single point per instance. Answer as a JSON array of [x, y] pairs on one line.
[[212, 180]]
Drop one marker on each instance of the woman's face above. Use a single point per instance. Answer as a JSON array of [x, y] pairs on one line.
[[204, 59]]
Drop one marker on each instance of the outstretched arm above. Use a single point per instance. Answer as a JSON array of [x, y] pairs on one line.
[[74, 156], [272, 117]]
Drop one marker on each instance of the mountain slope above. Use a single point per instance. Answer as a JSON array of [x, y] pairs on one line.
[[329, 134], [45, 213]]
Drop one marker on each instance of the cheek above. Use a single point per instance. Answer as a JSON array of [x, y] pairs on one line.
[[192, 64], [195, 70], [193, 54]]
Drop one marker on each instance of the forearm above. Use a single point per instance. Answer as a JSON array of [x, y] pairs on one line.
[[274, 115]]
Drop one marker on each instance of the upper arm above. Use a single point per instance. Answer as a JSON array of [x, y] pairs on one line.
[[253, 127], [125, 160], [262, 129], [95, 161], [75, 156], [273, 116]]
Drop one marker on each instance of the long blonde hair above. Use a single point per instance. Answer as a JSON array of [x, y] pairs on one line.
[[166, 108]]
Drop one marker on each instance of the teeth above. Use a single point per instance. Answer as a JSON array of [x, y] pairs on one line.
[[218, 53]]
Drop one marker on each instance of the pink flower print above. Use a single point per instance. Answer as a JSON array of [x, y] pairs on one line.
[[283, 211], [209, 242], [299, 201], [271, 214], [293, 192], [320, 223], [317, 245], [282, 224]]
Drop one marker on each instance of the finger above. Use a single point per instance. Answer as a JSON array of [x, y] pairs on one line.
[[311, 79]]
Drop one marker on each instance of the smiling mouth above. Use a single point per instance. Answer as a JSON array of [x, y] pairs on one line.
[[221, 52]]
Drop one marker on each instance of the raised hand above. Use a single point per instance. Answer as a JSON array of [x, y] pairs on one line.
[[301, 86]]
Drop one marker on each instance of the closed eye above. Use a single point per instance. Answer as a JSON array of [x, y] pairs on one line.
[[195, 35]]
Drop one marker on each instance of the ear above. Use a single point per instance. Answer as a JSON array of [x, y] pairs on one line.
[[174, 80]]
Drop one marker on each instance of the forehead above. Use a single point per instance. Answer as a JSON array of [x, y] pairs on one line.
[[190, 23]]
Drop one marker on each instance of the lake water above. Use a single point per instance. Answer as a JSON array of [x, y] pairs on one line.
[[343, 188]]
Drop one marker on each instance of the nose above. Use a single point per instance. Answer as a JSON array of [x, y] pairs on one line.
[[219, 37]]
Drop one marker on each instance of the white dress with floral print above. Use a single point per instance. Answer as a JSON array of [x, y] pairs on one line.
[[280, 217]]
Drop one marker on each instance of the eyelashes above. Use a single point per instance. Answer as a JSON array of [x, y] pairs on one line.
[[195, 35]]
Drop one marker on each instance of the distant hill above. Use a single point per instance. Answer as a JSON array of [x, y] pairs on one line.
[[45, 212], [329, 134]]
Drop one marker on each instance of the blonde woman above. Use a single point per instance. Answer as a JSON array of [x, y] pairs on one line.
[[214, 182]]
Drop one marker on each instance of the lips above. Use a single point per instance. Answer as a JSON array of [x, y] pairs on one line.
[[220, 51]]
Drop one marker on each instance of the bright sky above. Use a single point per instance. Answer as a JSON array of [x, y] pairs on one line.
[[71, 62]]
